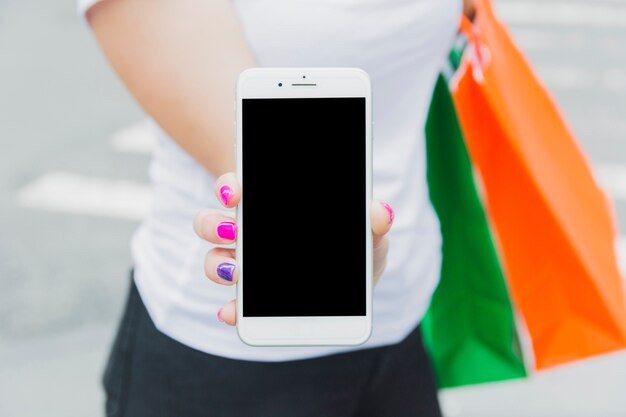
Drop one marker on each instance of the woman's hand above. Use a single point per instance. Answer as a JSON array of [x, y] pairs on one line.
[[220, 228], [469, 9]]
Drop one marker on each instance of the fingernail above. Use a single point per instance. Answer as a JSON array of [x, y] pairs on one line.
[[225, 194], [389, 211], [225, 270], [227, 230], [219, 315]]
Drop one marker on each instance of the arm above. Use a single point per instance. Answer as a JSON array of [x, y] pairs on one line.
[[180, 60]]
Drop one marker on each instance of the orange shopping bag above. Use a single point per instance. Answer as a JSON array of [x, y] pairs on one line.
[[553, 224]]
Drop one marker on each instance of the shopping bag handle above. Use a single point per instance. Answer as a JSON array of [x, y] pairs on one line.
[[469, 30], [479, 53]]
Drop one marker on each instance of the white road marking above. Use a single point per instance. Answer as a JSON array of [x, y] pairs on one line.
[[536, 39], [137, 138], [566, 78], [72, 193], [566, 13], [612, 178], [611, 80]]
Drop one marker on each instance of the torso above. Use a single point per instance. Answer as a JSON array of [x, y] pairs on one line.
[[401, 44]]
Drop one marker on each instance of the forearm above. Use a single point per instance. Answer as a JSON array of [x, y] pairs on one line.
[[180, 60]]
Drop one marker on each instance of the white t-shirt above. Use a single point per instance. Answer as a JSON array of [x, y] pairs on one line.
[[401, 44]]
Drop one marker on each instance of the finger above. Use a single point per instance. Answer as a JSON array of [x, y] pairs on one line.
[[220, 266], [380, 257], [228, 313], [228, 190], [382, 217], [215, 226]]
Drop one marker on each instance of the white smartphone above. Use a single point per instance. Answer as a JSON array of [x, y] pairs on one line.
[[304, 244]]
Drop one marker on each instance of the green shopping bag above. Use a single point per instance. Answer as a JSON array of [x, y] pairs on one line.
[[469, 329]]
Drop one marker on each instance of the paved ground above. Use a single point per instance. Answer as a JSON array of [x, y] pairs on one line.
[[64, 128]]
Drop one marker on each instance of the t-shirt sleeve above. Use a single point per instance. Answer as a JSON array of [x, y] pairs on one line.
[[84, 5]]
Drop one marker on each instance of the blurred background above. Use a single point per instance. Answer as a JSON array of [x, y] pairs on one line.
[[69, 128]]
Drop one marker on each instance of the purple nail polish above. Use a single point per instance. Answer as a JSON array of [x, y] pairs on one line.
[[389, 211], [225, 194], [225, 270], [227, 230], [219, 315]]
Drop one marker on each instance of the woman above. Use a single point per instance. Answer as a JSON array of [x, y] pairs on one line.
[[180, 59]]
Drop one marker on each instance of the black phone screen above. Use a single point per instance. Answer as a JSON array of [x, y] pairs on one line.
[[305, 239]]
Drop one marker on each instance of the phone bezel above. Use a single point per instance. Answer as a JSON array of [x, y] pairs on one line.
[[318, 330]]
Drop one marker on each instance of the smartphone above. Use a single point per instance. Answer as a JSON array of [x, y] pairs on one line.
[[304, 243]]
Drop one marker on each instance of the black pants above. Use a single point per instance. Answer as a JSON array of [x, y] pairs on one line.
[[149, 374]]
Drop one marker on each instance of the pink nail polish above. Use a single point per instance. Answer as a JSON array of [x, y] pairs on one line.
[[389, 211], [219, 315], [225, 194], [227, 230]]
